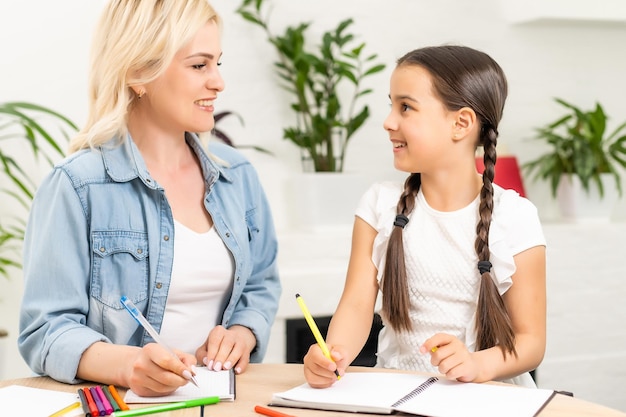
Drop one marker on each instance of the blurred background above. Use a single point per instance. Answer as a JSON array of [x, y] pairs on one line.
[[571, 49]]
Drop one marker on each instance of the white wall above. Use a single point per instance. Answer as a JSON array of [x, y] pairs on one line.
[[45, 46], [45, 52]]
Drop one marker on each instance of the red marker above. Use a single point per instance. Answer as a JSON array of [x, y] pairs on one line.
[[92, 404], [269, 412]]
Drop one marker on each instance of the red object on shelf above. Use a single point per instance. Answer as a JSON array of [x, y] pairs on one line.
[[507, 173]]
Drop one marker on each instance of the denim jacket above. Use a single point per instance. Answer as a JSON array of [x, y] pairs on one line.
[[100, 227]]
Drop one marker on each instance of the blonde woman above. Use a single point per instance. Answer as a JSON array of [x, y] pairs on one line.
[[140, 209]]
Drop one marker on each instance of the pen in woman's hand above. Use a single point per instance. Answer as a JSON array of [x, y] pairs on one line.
[[132, 309]]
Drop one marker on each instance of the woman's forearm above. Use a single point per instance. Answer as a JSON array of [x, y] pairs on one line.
[[107, 363]]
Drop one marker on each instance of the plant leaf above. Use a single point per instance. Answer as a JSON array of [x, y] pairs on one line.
[[325, 82]]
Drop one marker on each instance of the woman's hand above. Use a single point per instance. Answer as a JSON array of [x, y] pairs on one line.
[[451, 357], [155, 372], [227, 348], [319, 371]]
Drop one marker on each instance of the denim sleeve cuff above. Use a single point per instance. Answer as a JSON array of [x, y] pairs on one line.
[[259, 326], [65, 353]]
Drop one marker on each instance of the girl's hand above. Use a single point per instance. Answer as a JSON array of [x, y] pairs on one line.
[[319, 371], [227, 348], [451, 357], [155, 372]]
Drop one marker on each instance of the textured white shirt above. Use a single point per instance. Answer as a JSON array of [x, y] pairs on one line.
[[202, 279], [441, 263]]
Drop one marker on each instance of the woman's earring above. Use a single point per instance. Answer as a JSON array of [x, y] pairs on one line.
[[141, 93]]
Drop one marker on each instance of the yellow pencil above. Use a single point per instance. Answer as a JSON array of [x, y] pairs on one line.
[[65, 410], [315, 330]]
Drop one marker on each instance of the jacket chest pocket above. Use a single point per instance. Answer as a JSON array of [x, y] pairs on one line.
[[251, 223], [120, 266]]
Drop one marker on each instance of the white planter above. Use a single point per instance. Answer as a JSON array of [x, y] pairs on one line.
[[324, 199], [578, 206]]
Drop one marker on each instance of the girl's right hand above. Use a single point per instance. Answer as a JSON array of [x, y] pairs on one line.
[[319, 371], [155, 372]]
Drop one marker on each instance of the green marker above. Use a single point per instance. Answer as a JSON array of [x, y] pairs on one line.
[[166, 407]]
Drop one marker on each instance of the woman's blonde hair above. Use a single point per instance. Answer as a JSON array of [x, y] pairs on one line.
[[134, 43]]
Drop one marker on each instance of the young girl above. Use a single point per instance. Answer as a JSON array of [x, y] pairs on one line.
[[460, 261]]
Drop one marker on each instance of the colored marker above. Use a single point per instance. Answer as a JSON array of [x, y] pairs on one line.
[[65, 410], [118, 398], [271, 413], [105, 401], [92, 404], [98, 401], [109, 396], [315, 330], [84, 403], [166, 407]]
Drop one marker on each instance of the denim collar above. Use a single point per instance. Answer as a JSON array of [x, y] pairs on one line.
[[124, 162]]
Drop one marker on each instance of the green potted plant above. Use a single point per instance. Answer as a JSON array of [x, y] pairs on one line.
[[582, 152], [325, 83], [24, 124]]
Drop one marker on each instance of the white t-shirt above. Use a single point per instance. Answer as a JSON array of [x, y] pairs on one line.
[[201, 285], [441, 263]]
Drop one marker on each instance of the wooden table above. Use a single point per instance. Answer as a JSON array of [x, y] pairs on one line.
[[260, 381]]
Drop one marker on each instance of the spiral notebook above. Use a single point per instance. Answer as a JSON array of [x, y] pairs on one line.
[[386, 392]]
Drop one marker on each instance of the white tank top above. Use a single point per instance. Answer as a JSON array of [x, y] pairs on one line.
[[201, 285]]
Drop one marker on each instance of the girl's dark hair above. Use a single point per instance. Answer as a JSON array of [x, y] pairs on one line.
[[461, 77]]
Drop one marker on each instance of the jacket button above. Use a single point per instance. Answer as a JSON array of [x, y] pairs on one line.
[[140, 251], [227, 234], [102, 249], [166, 238], [159, 285]]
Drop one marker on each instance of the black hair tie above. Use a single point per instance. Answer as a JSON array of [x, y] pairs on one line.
[[401, 221], [484, 266]]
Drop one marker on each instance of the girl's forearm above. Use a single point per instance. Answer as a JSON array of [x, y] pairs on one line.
[[349, 329], [494, 366]]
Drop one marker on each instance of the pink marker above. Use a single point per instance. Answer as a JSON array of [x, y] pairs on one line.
[[105, 401]]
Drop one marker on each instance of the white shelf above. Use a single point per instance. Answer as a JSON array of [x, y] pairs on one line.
[[550, 11]]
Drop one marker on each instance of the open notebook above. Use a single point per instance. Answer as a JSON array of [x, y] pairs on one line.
[[210, 383], [385, 392]]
